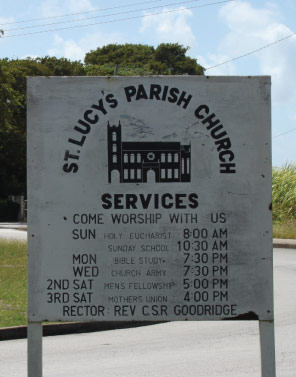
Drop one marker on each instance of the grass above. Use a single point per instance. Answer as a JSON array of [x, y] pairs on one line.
[[284, 193], [284, 201], [286, 230], [13, 283]]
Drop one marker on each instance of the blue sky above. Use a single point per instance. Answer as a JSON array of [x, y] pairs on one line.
[[216, 31]]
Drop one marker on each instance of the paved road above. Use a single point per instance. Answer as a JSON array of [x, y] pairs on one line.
[[13, 231], [13, 234], [177, 349]]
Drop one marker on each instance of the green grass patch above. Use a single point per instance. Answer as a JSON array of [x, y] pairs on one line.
[[13, 283], [284, 201], [284, 194], [285, 230]]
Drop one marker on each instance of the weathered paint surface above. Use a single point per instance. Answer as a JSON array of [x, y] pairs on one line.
[[149, 198]]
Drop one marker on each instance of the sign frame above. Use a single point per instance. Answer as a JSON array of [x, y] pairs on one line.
[[50, 121]]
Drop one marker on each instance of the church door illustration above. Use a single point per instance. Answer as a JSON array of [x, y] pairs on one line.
[[150, 174]]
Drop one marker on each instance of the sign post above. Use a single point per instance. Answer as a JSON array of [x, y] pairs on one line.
[[150, 199], [34, 349], [267, 347]]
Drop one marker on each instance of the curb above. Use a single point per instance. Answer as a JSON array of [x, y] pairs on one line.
[[284, 243], [16, 226], [20, 332]]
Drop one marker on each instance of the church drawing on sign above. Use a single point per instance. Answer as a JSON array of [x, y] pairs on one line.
[[147, 161]]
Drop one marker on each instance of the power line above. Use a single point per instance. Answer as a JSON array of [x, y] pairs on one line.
[[250, 52], [100, 16], [286, 132], [117, 20], [78, 13]]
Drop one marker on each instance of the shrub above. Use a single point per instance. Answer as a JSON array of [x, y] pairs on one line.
[[284, 193], [9, 210]]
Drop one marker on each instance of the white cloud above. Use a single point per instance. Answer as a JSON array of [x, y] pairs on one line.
[[79, 6], [249, 29], [51, 8], [66, 48], [169, 27], [4, 21], [241, 17], [215, 59], [76, 50]]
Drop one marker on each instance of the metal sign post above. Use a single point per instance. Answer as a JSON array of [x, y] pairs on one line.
[[150, 199], [267, 347], [34, 349]]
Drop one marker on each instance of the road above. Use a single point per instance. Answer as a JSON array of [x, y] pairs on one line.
[[176, 349], [13, 231], [13, 234]]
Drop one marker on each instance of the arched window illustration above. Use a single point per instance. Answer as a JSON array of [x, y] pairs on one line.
[[125, 157], [176, 157], [114, 136], [139, 157], [114, 148], [132, 157], [162, 157], [169, 157], [114, 159]]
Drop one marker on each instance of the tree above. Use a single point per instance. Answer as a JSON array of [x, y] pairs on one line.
[[127, 54], [167, 58], [173, 56], [13, 123], [13, 74], [62, 66]]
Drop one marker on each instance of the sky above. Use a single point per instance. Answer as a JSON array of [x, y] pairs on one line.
[[252, 37]]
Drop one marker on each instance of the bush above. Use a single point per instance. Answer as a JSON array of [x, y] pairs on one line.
[[9, 210], [284, 193]]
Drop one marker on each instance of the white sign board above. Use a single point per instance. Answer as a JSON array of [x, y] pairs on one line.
[[149, 198]]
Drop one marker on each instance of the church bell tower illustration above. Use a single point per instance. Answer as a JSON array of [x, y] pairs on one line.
[[114, 149]]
